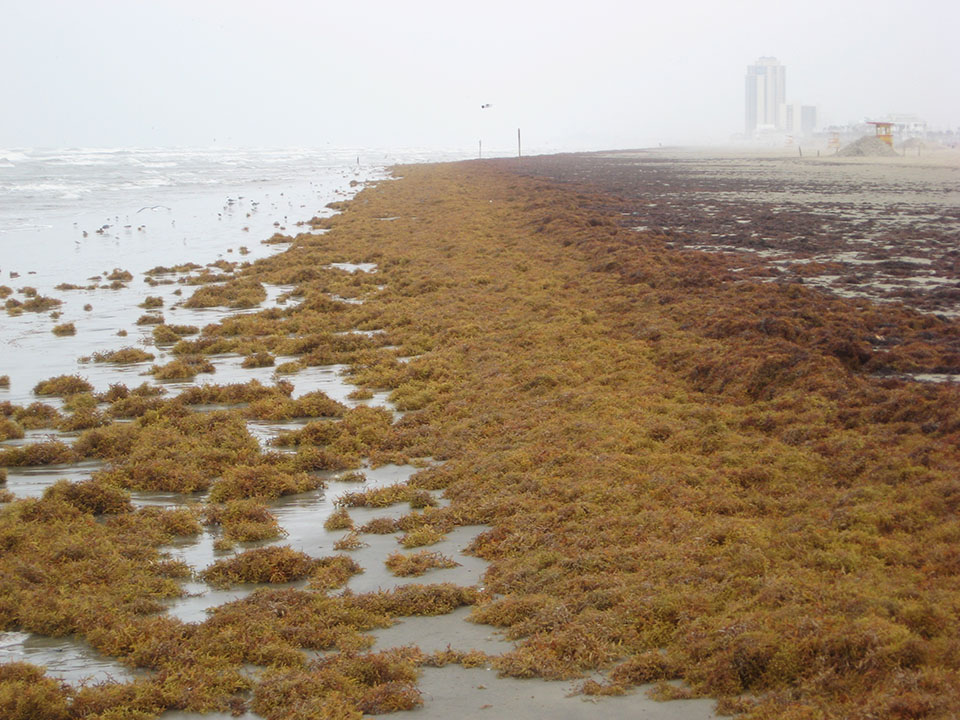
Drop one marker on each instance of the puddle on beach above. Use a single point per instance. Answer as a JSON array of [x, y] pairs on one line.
[[376, 576], [302, 517], [441, 632], [354, 267], [66, 658], [454, 691], [30, 482]]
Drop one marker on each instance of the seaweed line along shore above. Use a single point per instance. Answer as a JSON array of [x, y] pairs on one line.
[[525, 437]]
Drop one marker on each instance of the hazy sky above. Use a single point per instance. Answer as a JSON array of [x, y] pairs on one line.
[[402, 73]]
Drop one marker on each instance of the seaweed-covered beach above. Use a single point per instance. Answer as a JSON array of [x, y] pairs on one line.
[[561, 420]]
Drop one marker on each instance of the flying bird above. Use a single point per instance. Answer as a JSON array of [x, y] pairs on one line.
[[152, 207], [487, 105]]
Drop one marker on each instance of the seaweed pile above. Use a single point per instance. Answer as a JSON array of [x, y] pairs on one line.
[[883, 231], [688, 473]]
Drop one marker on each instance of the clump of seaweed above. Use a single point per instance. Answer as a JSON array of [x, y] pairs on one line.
[[240, 293], [234, 393], [134, 404], [404, 565], [258, 360], [350, 541], [64, 329], [290, 367], [377, 497], [10, 429], [49, 452], [82, 419], [260, 565], [339, 519], [73, 286], [183, 368], [422, 600], [118, 275], [333, 572], [39, 304], [346, 686], [62, 385], [263, 480], [151, 301], [420, 499], [312, 404], [164, 334], [160, 526], [380, 526], [423, 535], [151, 319], [170, 449], [27, 692], [164, 270], [277, 238], [206, 275], [80, 401], [123, 356], [245, 520], [37, 415], [90, 496]]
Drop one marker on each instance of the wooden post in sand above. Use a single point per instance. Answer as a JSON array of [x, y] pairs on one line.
[[480, 149], [518, 142]]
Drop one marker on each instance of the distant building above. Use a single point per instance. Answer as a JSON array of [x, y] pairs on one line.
[[796, 119], [907, 125], [766, 86], [809, 119]]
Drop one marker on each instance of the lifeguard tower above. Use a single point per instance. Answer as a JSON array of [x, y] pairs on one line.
[[884, 131]]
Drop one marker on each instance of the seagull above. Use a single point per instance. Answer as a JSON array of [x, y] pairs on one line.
[[485, 106], [152, 207]]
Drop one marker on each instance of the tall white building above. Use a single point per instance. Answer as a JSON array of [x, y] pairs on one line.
[[766, 91]]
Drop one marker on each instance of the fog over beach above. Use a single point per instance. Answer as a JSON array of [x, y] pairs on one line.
[[572, 76], [479, 360]]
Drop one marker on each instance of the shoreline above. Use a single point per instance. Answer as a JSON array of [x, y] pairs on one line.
[[686, 474]]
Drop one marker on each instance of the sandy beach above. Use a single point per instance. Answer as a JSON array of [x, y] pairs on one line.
[[631, 434], [880, 228]]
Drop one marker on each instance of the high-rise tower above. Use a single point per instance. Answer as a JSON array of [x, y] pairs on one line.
[[766, 92]]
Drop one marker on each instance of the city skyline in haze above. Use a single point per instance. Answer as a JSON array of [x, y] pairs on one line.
[[377, 74]]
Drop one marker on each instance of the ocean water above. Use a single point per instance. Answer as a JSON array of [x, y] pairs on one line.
[[149, 203], [69, 216]]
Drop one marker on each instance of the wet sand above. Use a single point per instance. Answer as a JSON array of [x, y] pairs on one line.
[[885, 229]]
